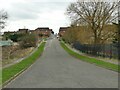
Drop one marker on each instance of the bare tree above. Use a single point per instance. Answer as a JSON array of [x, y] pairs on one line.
[[3, 18], [95, 15]]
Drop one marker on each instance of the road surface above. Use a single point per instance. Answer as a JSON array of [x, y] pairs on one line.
[[57, 69]]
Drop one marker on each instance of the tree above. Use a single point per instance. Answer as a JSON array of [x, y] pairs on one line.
[[95, 15], [14, 37], [3, 18], [77, 34], [52, 32]]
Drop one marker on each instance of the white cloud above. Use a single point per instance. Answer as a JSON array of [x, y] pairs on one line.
[[35, 13]]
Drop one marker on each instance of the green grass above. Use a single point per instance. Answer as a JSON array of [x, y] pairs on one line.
[[106, 65], [0, 77], [9, 72]]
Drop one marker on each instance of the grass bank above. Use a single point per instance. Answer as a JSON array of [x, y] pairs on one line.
[[106, 65], [8, 73]]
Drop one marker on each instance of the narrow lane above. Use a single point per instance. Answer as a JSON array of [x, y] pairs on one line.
[[57, 69]]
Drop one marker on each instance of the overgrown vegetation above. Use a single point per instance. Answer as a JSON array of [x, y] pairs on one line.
[[14, 37], [23, 45], [107, 65], [25, 40], [11, 54], [9, 72], [84, 36], [28, 40]]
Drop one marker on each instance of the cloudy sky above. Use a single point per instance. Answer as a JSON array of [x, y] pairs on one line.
[[35, 13]]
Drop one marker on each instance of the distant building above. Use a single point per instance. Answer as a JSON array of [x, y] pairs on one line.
[[9, 33], [39, 32], [23, 31], [32, 31], [62, 30], [43, 31]]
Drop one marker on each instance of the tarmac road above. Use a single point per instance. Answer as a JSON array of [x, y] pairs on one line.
[[57, 69]]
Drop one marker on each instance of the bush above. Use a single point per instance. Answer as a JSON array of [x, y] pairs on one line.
[[28, 40], [14, 37], [70, 35]]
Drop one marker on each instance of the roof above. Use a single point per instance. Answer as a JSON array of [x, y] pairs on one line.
[[42, 28], [63, 28], [10, 32], [23, 29]]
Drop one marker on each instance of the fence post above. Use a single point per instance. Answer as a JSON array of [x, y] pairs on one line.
[[110, 51], [104, 51]]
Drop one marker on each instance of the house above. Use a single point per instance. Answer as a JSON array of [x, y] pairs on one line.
[[62, 30], [22, 31], [32, 31], [43, 31], [9, 33], [39, 32]]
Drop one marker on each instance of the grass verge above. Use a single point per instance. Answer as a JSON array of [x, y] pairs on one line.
[[8, 73], [106, 65]]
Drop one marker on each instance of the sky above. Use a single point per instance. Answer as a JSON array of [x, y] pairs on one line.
[[32, 14]]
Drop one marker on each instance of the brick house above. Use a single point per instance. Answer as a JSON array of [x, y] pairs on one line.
[[9, 33], [22, 31], [39, 32], [62, 30], [32, 31], [43, 31]]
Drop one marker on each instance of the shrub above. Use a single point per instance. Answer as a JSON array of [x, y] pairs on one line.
[[28, 40], [14, 37]]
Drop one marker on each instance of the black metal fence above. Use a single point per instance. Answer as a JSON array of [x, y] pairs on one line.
[[103, 50]]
